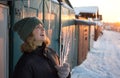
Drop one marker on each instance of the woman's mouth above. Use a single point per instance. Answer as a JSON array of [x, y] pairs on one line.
[[42, 35]]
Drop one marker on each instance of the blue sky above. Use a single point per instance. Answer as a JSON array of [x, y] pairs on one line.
[[108, 8]]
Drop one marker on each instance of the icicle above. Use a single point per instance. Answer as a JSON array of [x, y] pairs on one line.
[[66, 46], [28, 3], [49, 21], [67, 52], [61, 55]]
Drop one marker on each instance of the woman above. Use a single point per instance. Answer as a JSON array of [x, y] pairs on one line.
[[37, 61]]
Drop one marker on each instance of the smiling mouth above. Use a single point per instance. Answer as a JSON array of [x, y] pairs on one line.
[[42, 35]]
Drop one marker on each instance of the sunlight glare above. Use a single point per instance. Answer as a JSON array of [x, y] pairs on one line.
[[119, 19]]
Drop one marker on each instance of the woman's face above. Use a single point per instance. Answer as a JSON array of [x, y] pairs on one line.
[[39, 33]]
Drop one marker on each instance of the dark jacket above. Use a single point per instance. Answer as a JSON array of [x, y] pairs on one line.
[[37, 64]]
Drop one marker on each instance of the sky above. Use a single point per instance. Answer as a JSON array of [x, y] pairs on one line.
[[109, 9], [103, 60]]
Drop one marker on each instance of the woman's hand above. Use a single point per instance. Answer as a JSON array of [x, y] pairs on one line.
[[64, 70]]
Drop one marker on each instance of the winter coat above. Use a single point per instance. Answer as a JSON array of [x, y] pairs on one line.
[[38, 64]]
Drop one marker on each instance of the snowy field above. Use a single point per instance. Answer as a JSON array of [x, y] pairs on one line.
[[103, 61]]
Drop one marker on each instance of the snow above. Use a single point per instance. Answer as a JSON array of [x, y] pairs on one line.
[[55, 1], [89, 9], [84, 22], [103, 59], [66, 5]]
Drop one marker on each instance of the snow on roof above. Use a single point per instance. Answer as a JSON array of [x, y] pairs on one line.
[[89, 9], [55, 1], [66, 5], [99, 23], [84, 22], [88, 22]]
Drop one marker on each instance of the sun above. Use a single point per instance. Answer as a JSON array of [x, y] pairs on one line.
[[118, 19]]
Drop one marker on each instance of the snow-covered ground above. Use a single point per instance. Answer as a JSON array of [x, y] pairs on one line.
[[103, 61]]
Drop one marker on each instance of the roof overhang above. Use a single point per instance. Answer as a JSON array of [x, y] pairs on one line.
[[83, 22]]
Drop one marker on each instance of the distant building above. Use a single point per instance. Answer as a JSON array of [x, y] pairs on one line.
[[87, 21]]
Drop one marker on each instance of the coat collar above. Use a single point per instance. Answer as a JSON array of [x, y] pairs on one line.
[[40, 49]]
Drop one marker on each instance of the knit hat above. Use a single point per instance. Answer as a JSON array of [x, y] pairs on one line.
[[25, 26]]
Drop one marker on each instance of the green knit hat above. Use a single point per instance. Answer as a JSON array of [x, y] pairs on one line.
[[25, 26]]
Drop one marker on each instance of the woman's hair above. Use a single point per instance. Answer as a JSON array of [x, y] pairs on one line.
[[30, 44]]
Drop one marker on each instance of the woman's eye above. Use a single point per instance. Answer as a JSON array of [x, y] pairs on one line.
[[38, 27]]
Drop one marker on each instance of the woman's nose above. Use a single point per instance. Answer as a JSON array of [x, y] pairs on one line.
[[42, 29]]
